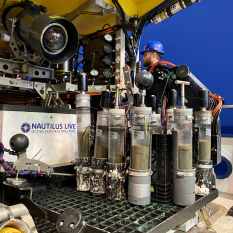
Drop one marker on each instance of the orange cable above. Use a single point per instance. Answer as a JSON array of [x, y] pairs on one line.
[[152, 68], [127, 55], [129, 68], [183, 120], [184, 128], [162, 63], [167, 63], [219, 103]]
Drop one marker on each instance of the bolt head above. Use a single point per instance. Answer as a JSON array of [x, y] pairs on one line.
[[71, 225]]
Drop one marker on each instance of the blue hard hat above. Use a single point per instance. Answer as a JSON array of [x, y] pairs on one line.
[[153, 45]]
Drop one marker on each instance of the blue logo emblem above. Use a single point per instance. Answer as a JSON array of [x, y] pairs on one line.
[[25, 127]]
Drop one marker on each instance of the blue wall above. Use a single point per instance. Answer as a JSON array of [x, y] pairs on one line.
[[201, 37]]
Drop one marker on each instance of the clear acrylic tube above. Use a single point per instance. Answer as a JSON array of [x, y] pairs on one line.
[[140, 138], [101, 139], [203, 121], [183, 121], [116, 143], [83, 124]]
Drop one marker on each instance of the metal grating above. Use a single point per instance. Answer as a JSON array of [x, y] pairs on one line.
[[111, 216], [43, 226]]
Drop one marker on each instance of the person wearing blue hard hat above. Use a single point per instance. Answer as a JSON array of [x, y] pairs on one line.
[[152, 53]]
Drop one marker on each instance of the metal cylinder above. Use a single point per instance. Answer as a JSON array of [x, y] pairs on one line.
[[106, 99], [115, 181], [98, 175], [182, 96], [63, 72], [10, 216], [83, 174], [184, 187], [66, 66], [183, 179], [203, 184], [139, 188], [42, 31], [203, 99], [143, 95], [169, 11], [25, 21], [82, 81], [83, 100], [17, 211]]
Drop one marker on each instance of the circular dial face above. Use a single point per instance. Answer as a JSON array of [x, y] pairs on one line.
[[108, 38], [107, 73], [108, 49], [107, 60], [94, 73]]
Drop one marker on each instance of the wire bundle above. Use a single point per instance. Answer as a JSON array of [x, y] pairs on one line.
[[219, 103], [216, 106]]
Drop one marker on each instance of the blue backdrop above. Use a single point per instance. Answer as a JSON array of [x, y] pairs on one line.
[[201, 37]]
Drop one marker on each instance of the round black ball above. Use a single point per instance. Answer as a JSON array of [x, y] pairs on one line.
[[144, 80], [19, 142]]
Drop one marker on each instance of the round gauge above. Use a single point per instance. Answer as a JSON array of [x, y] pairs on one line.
[[108, 49], [108, 38], [107, 73], [107, 61], [94, 73]]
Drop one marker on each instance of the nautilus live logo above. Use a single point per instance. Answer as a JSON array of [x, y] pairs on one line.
[[48, 128], [25, 127]]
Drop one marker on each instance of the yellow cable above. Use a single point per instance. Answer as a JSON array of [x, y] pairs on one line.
[[206, 219], [145, 121]]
